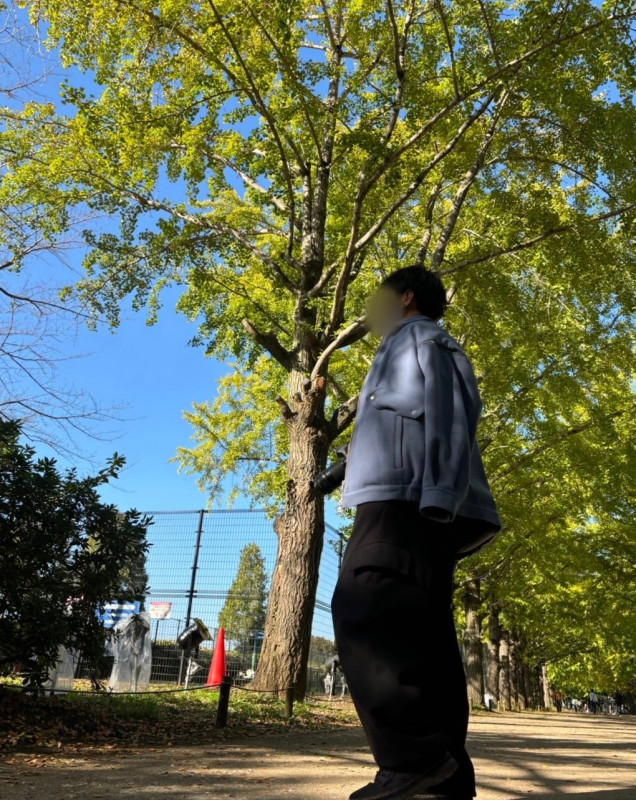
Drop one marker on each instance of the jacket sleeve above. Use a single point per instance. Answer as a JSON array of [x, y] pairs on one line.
[[448, 439]]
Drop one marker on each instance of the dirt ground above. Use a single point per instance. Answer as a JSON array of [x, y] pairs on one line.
[[516, 755]]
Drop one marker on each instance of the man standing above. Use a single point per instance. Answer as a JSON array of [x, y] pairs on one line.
[[415, 474], [592, 699]]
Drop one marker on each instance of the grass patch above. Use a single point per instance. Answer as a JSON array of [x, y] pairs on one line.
[[153, 719]]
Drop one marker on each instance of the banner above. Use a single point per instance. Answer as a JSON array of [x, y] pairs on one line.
[[115, 612], [160, 610]]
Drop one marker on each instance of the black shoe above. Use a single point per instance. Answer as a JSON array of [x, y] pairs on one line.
[[389, 785]]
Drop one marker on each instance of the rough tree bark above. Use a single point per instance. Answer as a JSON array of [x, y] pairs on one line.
[[527, 685], [544, 687], [513, 664], [493, 667], [472, 642], [504, 675], [300, 531]]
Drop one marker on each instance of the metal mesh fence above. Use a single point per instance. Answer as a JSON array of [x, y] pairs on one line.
[[192, 564]]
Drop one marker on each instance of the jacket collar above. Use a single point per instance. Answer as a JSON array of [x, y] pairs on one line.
[[415, 318]]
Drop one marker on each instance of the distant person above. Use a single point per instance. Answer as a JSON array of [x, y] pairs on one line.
[[606, 703], [415, 474], [592, 700], [618, 699], [333, 665], [558, 700]]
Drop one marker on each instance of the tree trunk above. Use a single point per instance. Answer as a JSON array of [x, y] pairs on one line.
[[528, 686], [537, 692], [472, 643], [520, 674], [544, 687], [300, 531], [514, 673], [504, 676], [493, 667]]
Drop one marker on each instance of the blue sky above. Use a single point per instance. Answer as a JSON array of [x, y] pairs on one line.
[[151, 375]]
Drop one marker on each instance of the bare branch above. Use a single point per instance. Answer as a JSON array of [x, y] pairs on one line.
[[503, 159], [270, 342], [399, 57], [428, 230], [40, 304], [285, 410], [30, 387], [253, 184], [303, 91], [375, 229], [491, 37], [502, 251], [462, 192], [573, 431], [343, 416], [451, 51], [263, 108], [346, 337]]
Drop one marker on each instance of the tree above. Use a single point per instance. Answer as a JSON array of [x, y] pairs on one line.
[[275, 159], [243, 613], [33, 257], [62, 552]]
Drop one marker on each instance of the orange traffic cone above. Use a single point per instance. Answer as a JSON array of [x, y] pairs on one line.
[[217, 667]]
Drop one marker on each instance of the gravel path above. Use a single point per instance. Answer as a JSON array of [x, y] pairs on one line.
[[516, 755]]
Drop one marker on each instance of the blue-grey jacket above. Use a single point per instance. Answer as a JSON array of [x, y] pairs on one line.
[[415, 433]]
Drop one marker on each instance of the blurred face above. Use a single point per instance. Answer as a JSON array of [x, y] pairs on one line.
[[386, 308]]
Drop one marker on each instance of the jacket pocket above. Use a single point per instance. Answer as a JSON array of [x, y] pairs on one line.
[[382, 558], [406, 404], [408, 410]]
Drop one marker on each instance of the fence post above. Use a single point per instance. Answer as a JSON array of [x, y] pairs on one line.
[[289, 701], [193, 580], [224, 701]]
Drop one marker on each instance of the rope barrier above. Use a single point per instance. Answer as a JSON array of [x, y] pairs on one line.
[[224, 696], [106, 693]]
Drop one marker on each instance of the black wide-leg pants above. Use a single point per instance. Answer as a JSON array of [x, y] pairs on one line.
[[397, 643]]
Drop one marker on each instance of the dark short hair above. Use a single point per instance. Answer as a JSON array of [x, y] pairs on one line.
[[427, 287]]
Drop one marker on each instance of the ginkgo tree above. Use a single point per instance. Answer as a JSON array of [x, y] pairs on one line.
[[275, 159]]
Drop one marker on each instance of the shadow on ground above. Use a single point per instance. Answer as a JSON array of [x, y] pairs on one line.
[[543, 756]]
